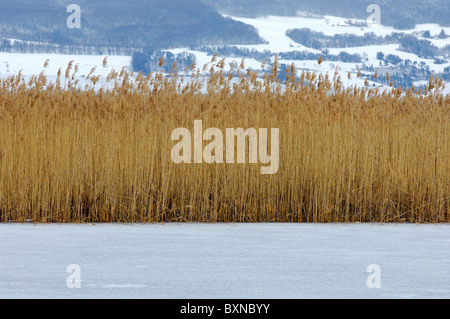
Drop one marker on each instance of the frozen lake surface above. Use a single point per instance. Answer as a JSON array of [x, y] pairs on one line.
[[224, 261]]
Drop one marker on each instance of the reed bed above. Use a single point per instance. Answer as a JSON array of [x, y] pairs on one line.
[[97, 154]]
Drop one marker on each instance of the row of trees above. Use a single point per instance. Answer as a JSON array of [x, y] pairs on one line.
[[305, 55], [441, 35], [407, 42], [320, 41], [403, 73], [35, 47], [150, 61]]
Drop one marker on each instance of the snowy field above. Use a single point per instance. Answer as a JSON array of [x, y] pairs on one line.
[[32, 64], [273, 30], [225, 261]]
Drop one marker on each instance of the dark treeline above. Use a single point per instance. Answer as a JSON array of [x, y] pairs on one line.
[[404, 75], [408, 43], [150, 61], [305, 55], [26, 47]]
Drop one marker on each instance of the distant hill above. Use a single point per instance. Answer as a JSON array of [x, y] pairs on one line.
[[401, 14], [128, 24]]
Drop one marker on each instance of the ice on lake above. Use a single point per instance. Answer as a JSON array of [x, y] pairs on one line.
[[224, 261]]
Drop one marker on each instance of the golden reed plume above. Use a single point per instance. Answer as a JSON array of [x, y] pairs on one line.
[[347, 154]]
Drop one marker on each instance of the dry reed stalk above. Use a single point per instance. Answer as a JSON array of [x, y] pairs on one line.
[[352, 155]]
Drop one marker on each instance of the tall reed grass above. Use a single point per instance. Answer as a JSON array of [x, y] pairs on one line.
[[347, 154]]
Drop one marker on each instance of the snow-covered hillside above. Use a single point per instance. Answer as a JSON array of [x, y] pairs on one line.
[[273, 30]]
